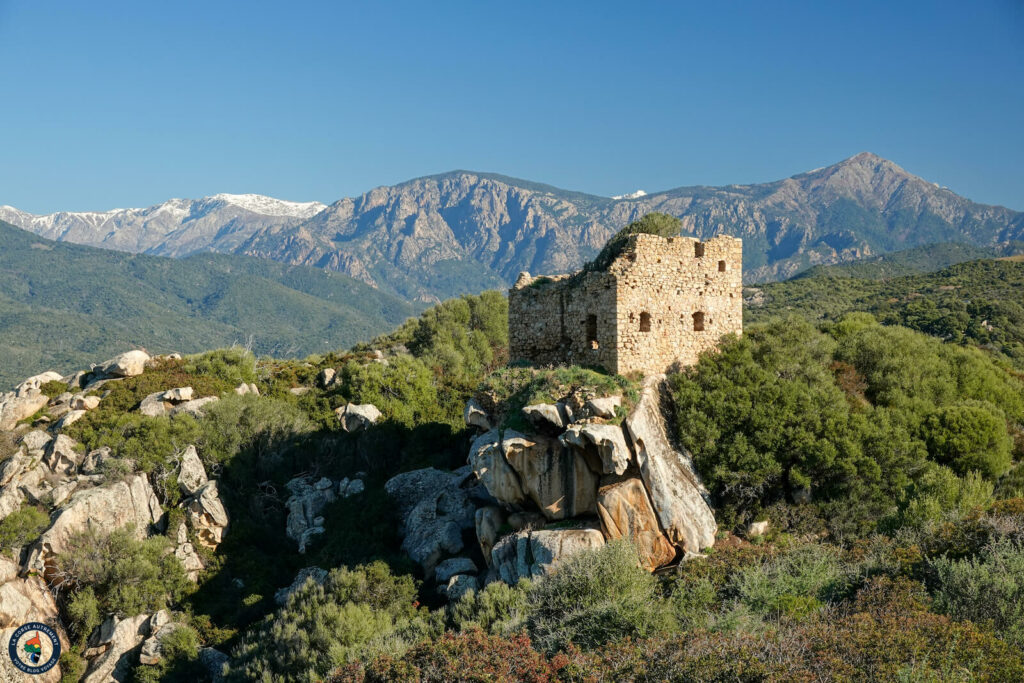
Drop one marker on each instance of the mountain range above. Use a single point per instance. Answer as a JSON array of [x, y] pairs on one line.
[[434, 237], [62, 305]]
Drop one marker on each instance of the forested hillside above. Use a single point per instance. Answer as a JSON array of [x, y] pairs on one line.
[[62, 305], [866, 479]]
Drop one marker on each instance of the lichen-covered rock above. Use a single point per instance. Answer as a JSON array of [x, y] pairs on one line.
[[434, 510], [556, 478], [668, 475], [154, 405], [460, 584], [82, 402], [755, 529], [492, 469], [207, 515], [213, 662], [357, 417], [128, 364], [34, 383], [192, 475], [626, 512], [35, 443], [160, 628], [94, 460], [304, 505], [69, 418], [452, 566]]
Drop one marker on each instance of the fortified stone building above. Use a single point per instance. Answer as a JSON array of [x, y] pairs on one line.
[[659, 304]]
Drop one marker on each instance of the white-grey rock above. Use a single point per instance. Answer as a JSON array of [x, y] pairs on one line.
[[546, 415], [154, 405], [604, 407], [14, 409], [755, 529], [488, 521], [82, 402], [112, 646], [95, 459], [609, 445], [357, 417], [529, 554], [35, 443], [326, 377], [434, 510], [676, 494], [195, 408], [214, 662], [61, 456], [452, 566], [488, 461], [459, 585], [128, 364], [69, 419], [207, 516], [475, 416], [192, 475]]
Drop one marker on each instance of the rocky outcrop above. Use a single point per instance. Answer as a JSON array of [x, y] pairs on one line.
[[191, 474], [207, 516], [475, 416], [557, 479], [100, 509], [626, 512], [314, 574], [434, 509], [113, 648], [487, 458], [196, 407], [163, 403], [604, 446], [669, 476], [14, 408], [186, 554], [308, 499], [357, 417], [529, 554], [160, 628], [127, 364]]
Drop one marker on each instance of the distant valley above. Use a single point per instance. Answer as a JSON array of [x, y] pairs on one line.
[[432, 238]]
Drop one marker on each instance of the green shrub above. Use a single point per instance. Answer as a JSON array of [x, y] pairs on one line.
[[594, 597], [53, 388], [794, 584], [126, 576], [498, 609], [356, 614], [969, 436], [937, 494], [654, 223], [987, 589], [232, 366], [22, 527]]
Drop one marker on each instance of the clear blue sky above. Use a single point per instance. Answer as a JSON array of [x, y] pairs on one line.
[[109, 104]]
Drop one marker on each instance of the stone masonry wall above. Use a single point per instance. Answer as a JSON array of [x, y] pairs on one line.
[[660, 304]]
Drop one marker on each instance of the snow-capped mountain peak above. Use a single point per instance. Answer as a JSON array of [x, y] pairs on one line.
[[269, 206]]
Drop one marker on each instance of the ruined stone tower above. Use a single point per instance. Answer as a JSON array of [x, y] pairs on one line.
[[659, 304]]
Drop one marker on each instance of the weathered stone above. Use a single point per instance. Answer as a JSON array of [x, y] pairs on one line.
[[675, 492], [604, 407], [490, 467], [527, 520], [452, 566], [307, 500], [557, 479], [62, 491], [69, 419], [179, 395], [35, 443], [353, 487], [546, 416], [626, 512], [603, 446], [61, 455], [529, 554], [8, 569], [160, 628], [207, 515], [475, 416], [128, 364], [190, 560], [113, 646], [191, 476], [195, 407], [154, 405], [434, 510], [488, 520], [14, 409], [326, 377], [299, 391], [755, 529], [459, 585], [101, 509], [85, 402], [356, 417]]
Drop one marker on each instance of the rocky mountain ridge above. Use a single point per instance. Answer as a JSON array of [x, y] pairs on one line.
[[439, 236]]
